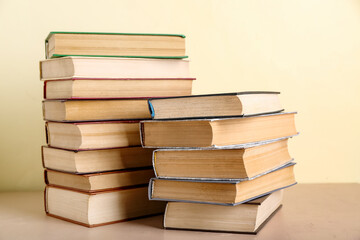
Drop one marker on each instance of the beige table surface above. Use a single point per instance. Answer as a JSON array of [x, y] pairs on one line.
[[310, 211]]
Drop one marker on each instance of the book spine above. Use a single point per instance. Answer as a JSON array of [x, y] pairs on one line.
[[153, 162], [150, 188], [151, 108]]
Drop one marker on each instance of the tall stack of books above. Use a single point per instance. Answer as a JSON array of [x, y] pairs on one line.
[[96, 87], [222, 160]]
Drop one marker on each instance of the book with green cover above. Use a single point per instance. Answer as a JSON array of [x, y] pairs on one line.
[[101, 44]]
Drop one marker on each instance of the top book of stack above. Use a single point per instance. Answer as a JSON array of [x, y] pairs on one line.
[[130, 45]]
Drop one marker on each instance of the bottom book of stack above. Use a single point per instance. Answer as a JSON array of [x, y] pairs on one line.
[[93, 209], [248, 217]]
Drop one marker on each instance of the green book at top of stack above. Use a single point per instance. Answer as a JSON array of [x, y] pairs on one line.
[[100, 44]]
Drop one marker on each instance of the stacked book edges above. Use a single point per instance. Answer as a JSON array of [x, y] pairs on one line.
[[96, 90]]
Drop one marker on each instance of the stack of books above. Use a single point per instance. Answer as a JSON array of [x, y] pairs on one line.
[[96, 87], [222, 160]]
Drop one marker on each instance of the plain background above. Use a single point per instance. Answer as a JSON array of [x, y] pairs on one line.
[[308, 50]]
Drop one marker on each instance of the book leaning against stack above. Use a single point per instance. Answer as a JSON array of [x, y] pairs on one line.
[[222, 159], [96, 87]]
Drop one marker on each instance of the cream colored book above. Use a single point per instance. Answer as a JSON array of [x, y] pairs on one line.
[[248, 217], [91, 161], [59, 44], [95, 110], [112, 68], [74, 88], [216, 105], [93, 135], [225, 192], [102, 181], [216, 132], [100, 208], [234, 163]]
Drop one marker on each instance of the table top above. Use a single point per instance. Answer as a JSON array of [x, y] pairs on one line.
[[310, 211]]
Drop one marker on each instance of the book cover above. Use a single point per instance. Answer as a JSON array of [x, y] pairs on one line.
[[228, 181]]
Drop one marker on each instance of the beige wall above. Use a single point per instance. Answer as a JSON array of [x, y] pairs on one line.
[[309, 50]]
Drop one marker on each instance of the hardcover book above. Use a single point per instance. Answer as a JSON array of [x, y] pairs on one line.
[[92, 135], [100, 208], [112, 68], [224, 192], [215, 105], [247, 218], [74, 88], [235, 163], [91, 161], [95, 110], [100, 44], [216, 133], [95, 182]]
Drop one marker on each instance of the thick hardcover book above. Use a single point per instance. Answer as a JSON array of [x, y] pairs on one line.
[[215, 105], [246, 218], [100, 208], [75, 88], [128, 45], [241, 163], [216, 132], [112, 68], [92, 135], [222, 192], [90, 161], [95, 110], [96, 182]]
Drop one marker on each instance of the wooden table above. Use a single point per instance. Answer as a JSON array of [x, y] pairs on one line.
[[310, 211]]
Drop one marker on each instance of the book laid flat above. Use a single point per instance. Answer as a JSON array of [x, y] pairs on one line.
[[97, 209], [94, 182], [235, 163], [95, 110], [112, 68], [92, 135], [225, 192], [215, 105], [216, 132], [60, 44], [74, 88], [248, 217], [91, 161]]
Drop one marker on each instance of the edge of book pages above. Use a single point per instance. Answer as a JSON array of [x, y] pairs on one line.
[[91, 193], [152, 110], [99, 79], [102, 58], [235, 146], [230, 181], [227, 180], [243, 145], [239, 146], [100, 224], [121, 56], [223, 231], [88, 175], [222, 180]]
